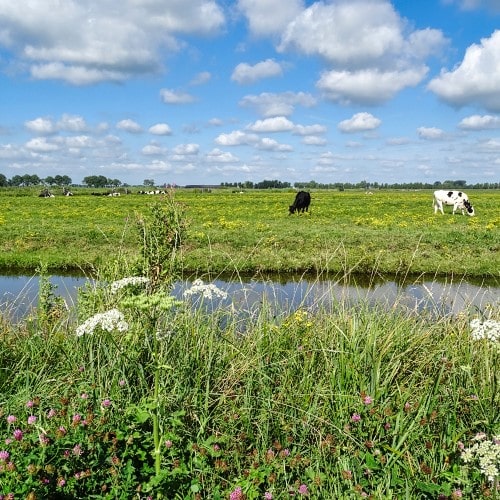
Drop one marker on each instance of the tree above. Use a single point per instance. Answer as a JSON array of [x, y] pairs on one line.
[[3, 181], [148, 183], [49, 180], [96, 181]]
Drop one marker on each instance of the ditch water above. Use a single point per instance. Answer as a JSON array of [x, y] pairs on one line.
[[19, 294]]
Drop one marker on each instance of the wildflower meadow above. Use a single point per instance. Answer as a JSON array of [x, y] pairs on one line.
[[132, 393]]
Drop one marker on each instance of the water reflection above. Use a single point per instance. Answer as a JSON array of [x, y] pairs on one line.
[[19, 294]]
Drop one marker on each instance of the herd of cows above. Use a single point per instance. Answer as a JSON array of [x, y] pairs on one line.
[[458, 199]]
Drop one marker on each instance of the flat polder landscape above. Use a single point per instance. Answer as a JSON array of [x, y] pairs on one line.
[[132, 393], [392, 232]]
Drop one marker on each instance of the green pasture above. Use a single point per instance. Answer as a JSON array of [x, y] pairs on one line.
[[387, 232]]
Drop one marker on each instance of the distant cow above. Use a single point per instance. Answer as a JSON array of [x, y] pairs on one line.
[[45, 194], [458, 199], [301, 203]]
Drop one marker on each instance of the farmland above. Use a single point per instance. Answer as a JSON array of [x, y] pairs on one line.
[[388, 232], [132, 393]]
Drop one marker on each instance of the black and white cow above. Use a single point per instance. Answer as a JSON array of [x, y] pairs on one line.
[[301, 203], [458, 199]]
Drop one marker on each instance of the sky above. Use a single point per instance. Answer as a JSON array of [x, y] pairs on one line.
[[215, 91]]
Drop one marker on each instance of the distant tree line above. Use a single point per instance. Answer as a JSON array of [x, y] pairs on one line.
[[101, 181], [448, 184]]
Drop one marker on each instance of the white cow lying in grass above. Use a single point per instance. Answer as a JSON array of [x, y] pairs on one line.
[[458, 199]]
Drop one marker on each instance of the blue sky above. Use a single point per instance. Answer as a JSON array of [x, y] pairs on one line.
[[204, 92]]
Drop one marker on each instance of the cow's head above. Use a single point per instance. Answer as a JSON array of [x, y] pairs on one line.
[[291, 208], [469, 207]]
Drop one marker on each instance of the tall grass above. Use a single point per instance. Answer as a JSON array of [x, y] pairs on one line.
[[177, 400]]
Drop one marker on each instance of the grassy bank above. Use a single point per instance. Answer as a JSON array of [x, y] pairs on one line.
[[390, 232], [164, 402]]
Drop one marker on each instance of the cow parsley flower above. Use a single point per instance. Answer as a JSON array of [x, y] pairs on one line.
[[108, 321], [488, 330], [485, 454], [126, 282], [208, 291]]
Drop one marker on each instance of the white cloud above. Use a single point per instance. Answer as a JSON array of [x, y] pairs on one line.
[[169, 96], [219, 156], [477, 122], [373, 53], [42, 126], [153, 150], [268, 144], [246, 74], [314, 140], [186, 149], [368, 86], [309, 129], [129, 126], [40, 145], [476, 80], [88, 42], [160, 129], [269, 104], [269, 17], [431, 133], [236, 138], [72, 123], [360, 122], [276, 124]]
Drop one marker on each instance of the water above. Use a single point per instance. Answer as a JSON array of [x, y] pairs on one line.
[[19, 294]]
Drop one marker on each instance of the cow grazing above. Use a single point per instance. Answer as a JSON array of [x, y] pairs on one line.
[[458, 199], [301, 203]]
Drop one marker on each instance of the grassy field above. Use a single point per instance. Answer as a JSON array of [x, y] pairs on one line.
[[132, 394], [387, 232]]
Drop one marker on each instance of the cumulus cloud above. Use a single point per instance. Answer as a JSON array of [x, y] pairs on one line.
[[360, 122], [269, 17], [368, 86], [269, 104], [275, 124], [72, 123], [236, 138], [129, 126], [42, 126], [41, 145], [169, 96], [371, 48], [153, 150], [476, 80], [160, 129], [477, 122], [245, 74], [431, 133], [268, 144], [219, 156], [186, 149], [89, 42], [309, 129]]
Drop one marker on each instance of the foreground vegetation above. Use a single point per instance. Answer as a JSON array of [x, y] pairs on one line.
[[133, 394], [388, 232]]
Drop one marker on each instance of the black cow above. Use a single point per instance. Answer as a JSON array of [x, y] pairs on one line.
[[301, 203]]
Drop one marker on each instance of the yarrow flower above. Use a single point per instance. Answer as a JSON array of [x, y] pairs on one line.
[[208, 291], [131, 281], [484, 453], [488, 330], [109, 321]]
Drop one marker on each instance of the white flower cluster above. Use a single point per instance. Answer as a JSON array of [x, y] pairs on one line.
[[487, 455], [209, 291], [109, 321], [133, 280], [489, 329]]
